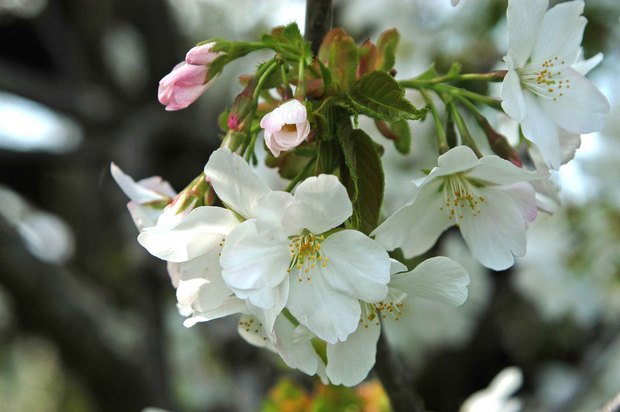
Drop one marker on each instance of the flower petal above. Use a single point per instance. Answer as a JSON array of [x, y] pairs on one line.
[[513, 101], [438, 278], [144, 191], [200, 231], [524, 196], [493, 169], [234, 182], [455, 160], [296, 354], [329, 314], [497, 233], [321, 203], [560, 33], [538, 127], [357, 265], [230, 306], [581, 109], [349, 362], [250, 261], [415, 227], [524, 19], [290, 112]]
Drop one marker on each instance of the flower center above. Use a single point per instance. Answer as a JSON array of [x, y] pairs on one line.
[[461, 198], [545, 80], [305, 254], [392, 306], [291, 128]]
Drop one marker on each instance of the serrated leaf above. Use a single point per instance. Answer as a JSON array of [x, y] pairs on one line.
[[362, 175], [386, 47], [379, 96]]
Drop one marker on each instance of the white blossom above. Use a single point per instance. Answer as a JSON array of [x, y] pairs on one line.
[[489, 199], [286, 127], [545, 88]]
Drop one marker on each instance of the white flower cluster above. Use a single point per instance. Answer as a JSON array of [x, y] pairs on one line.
[[286, 265], [315, 291]]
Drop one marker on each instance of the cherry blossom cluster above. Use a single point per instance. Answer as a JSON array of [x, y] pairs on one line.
[[310, 271]]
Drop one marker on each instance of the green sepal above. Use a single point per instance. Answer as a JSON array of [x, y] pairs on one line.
[[379, 96]]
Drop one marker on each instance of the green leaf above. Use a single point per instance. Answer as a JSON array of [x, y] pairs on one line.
[[339, 53], [386, 47], [379, 96], [402, 130], [362, 175], [326, 75], [329, 157], [455, 69]]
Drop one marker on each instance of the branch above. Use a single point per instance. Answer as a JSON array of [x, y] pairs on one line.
[[396, 379], [318, 22]]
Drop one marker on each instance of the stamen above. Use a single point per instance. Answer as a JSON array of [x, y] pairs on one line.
[[305, 254], [461, 198]]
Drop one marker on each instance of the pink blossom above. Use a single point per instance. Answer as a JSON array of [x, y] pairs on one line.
[[188, 80], [286, 127], [201, 55]]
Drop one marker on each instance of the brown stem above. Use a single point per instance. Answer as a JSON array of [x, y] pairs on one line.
[[396, 379], [318, 22]]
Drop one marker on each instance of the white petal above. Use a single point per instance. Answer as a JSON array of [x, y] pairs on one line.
[[230, 306], [143, 216], [147, 190], [438, 278], [268, 315], [524, 197], [250, 261], [457, 159], [513, 101], [321, 203], [524, 21], [584, 66], [234, 182], [396, 267], [296, 354], [498, 232], [329, 314], [291, 112], [200, 231], [269, 210], [349, 362], [416, 227], [493, 169], [581, 109], [187, 291], [560, 33], [357, 265], [538, 127], [250, 329]]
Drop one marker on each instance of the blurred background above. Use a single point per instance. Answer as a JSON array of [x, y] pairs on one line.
[[88, 320]]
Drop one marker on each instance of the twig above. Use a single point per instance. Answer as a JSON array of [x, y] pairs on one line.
[[396, 379], [318, 22]]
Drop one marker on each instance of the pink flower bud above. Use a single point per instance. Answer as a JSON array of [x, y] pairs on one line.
[[182, 86], [286, 127], [201, 55]]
